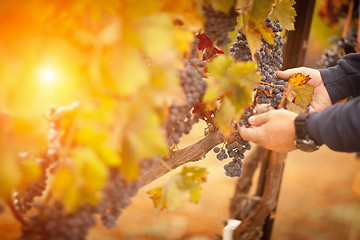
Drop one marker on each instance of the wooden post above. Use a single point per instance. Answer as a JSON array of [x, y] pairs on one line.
[[296, 44]]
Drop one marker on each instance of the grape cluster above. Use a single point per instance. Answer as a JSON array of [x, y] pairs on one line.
[[240, 49], [181, 119], [23, 199], [342, 46], [218, 24], [234, 150], [269, 60], [53, 223], [117, 194]]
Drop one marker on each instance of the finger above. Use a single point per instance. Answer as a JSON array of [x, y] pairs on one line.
[[270, 108], [287, 73], [258, 120], [252, 134]]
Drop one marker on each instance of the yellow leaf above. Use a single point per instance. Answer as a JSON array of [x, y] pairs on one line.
[[297, 92], [187, 11], [156, 196], [285, 13], [224, 117], [30, 170], [255, 30], [109, 156], [10, 175], [127, 71], [298, 79], [304, 95], [156, 34], [221, 5], [63, 179], [181, 187], [92, 171], [261, 8], [293, 107]]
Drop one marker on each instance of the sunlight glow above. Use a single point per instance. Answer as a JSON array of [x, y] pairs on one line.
[[47, 75]]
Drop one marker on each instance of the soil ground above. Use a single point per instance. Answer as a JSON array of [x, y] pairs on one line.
[[316, 202]]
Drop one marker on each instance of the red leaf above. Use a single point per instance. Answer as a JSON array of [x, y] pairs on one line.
[[207, 46]]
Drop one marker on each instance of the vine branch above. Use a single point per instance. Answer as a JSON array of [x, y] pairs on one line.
[[192, 153]]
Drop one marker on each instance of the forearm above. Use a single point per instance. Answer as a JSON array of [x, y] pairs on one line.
[[338, 126], [343, 80]]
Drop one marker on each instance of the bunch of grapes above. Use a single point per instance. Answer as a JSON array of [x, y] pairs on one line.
[[117, 194], [270, 91], [240, 49], [269, 60], [181, 119], [235, 147], [342, 46], [234, 150], [218, 24], [52, 222], [24, 198]]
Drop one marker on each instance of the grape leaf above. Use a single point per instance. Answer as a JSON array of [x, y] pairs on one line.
[[256, 30], [181, 187], [83, 183], [221, 5], [261, 8], [224, 116], [207, 46], [285, 13], [232, 82], [188, 12], [297, 94]]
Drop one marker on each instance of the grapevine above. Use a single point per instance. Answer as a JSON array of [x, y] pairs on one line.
[[341, 47], [269, 59], [137, 77]]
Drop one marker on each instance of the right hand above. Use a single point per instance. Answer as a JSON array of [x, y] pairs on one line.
[[321, 98]]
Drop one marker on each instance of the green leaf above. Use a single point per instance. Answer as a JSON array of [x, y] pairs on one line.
[[181, 187], [285, 13]]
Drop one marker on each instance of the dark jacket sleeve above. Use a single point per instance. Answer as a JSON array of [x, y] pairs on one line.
[[337, 126], [343, 80]]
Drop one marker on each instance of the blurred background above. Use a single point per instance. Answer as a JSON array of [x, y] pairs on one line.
[[317, 198]]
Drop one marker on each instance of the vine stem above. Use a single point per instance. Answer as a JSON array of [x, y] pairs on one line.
[[192, 153]]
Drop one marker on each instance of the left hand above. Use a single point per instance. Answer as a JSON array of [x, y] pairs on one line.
[[274, 130]]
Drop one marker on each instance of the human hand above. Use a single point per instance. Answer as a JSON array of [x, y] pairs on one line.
[[274, 130], [321, 98]]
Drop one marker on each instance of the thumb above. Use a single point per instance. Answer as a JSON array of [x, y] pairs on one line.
[[260, 119]]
